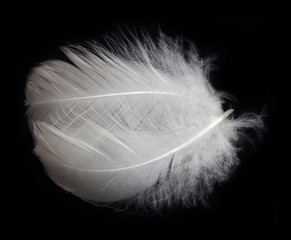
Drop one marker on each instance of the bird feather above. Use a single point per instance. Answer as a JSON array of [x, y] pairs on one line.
[[137, 121]]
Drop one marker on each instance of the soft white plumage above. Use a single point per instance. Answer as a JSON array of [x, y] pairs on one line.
[[138, 122]]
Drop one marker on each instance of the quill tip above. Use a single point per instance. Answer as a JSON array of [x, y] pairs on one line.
[[227, 113]]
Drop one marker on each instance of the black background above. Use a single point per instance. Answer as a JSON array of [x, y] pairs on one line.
[[248, 66]]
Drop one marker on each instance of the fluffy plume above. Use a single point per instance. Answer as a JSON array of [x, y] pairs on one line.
[[135, 122]]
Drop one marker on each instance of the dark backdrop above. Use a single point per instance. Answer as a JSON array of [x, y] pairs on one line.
[[248, 66]]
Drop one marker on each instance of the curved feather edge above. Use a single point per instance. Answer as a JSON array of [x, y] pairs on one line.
[[187, 143]]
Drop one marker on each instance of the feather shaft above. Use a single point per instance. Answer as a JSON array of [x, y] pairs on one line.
[[187, 143], [108, 95]]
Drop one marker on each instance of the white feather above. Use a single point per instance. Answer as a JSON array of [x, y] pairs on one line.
[[138, 122]]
